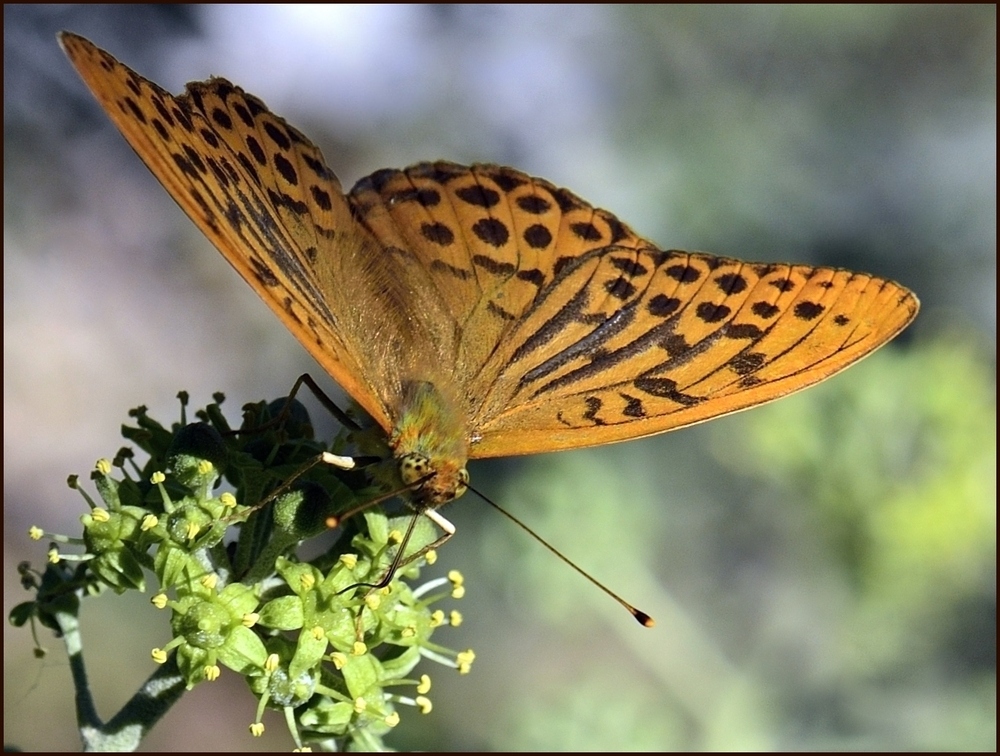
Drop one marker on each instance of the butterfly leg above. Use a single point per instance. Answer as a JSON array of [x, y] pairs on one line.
[[399, 561], [328, 404]]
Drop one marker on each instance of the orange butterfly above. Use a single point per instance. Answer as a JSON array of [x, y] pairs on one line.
[[477, 311]]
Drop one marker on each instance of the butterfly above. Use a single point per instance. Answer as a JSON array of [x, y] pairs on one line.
[[476, 311]]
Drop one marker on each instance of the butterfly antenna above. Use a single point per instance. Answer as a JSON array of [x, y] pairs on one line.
[[641, 617]]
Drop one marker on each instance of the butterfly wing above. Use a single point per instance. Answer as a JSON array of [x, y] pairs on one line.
[[547, 322], [264, 196], [684, 338], [574, 331]]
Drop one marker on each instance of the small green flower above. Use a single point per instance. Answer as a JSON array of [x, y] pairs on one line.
[[209, 628]]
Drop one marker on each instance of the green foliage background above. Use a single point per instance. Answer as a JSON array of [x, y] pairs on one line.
[[822, 570]]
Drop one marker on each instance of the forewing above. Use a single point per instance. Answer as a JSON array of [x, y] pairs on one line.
[[256, 187]]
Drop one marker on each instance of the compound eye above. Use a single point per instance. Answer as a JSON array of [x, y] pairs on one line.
[[463, 482], [413, 467]]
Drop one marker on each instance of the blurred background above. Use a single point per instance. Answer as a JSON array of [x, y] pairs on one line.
[[822, 570]]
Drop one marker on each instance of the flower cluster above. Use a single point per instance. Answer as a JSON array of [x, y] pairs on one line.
[[323, 640]]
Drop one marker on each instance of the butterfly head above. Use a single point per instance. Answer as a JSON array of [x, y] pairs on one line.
[[433, 484]]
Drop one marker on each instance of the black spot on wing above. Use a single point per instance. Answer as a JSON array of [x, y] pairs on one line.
[[135, 110], [321, 197], [533, 204], [537, 236], [585, 231], [675, 346], [764, 310], [743, 331], [285, 200], [491, 231], [438, 233], [712, 313], [633, 406], [207, 134], [184, 165], [278, 136], [377, 181], [566, 200], [425, 197], [256, 151], [496, 267], [629, 266], [683, 273], [249, 168], [317, 167], [731, 283], [165, 114], [221, 176], [593, 407], [746, 363], [620, 288], [243, 114], [442, 173], [663, 306], [808, 310], [263, 273], [532, 276], [506, 179], [286, 169], [195, 159], [618, 230], [665, 388], [478, 196]]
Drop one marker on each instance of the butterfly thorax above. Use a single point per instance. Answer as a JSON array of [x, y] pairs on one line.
[[429, 445]]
